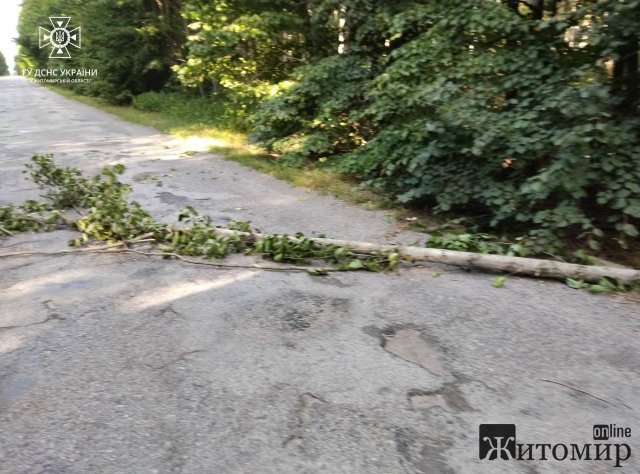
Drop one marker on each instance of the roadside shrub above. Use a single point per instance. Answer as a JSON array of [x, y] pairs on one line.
[[480, 111], [151, 102]]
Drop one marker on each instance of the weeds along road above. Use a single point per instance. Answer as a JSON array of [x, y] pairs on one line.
[[120, 363]]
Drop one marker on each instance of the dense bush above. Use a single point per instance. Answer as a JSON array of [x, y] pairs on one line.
[[481, 110]]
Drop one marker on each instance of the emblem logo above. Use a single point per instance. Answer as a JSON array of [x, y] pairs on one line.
[[60, 37]]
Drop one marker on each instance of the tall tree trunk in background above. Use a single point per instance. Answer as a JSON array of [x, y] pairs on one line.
[[316, 36], [537, 7], [633, 79], [625, 75], [626, 80], [511, 44]]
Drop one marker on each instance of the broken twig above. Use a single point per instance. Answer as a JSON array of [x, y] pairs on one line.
[[586, 393]]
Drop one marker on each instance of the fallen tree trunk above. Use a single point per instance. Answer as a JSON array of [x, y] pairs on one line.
[[495, 263]]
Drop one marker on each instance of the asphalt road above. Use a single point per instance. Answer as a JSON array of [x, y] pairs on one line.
[[124, 364]]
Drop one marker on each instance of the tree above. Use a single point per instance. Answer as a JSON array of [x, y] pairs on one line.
[[239, 50], [4, 68]]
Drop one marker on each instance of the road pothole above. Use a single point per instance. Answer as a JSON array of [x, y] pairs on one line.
[[409, 344], [169, 198], [448, 398]]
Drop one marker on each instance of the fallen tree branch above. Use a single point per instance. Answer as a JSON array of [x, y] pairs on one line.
[[495, 263]]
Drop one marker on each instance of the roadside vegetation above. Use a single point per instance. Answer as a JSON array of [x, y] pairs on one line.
[[516, 123], [4, 67]]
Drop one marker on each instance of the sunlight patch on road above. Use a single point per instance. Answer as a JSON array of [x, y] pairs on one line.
[[176, 291], [203, 143], [10, 343], [61, 280]]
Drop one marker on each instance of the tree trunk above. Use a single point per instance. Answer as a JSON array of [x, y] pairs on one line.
[[537, 7], [512, 44], [625, 76], [632, 82], [495, 263]]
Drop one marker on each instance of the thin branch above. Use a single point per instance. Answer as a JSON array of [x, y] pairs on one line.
[[586, 393], [114, 249], [295, 268]]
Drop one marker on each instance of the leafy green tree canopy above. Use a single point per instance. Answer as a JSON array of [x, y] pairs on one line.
[[4, 68]]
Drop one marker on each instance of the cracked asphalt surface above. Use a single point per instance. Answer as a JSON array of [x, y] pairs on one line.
[[123, 364]]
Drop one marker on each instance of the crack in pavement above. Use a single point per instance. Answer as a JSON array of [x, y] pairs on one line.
[[183, 357], [307, 403], [51, 317]]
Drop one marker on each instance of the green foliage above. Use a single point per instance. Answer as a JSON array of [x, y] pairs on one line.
[[239, 50], [4, 67], [198, 238], [241, 226], [314, 117], [606, 285], [281, 248], [110, 216], [30, 216], [64, 188], [481, 243], [478, 111], [498, 282]]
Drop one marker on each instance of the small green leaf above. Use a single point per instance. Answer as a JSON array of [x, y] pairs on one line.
[[498, 282], [630, 230], [339, 253], [593, 244], [575, 284], [317, 271]]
